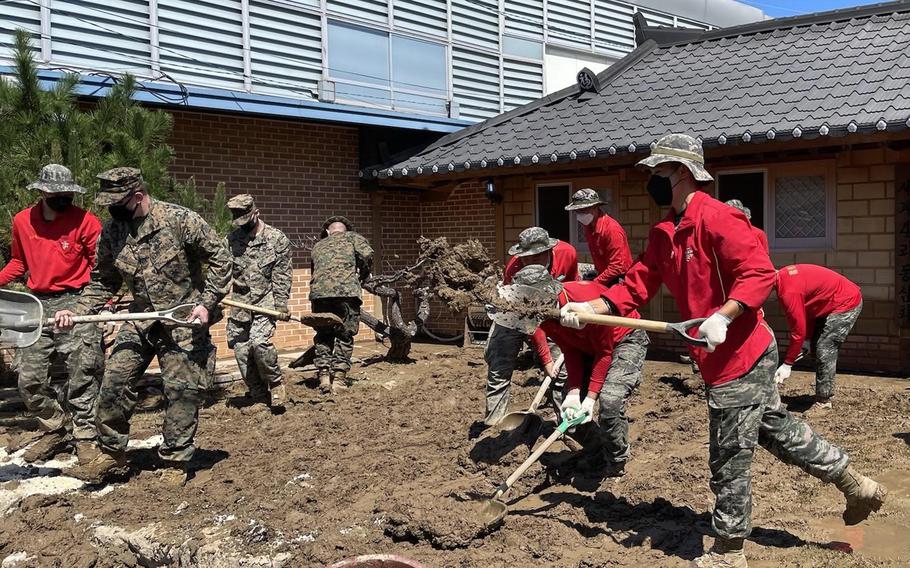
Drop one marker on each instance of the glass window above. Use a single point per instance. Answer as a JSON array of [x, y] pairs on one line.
[[551, 210], [799, 207], [419, 66], [358, 54], [522, 47]]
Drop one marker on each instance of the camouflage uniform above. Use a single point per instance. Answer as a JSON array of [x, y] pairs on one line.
[[170, 257], [81, 349], [340, 263], [831, 333], [623, 378], [262, 277], [745, 413]]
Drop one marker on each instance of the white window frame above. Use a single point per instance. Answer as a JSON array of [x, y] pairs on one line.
[[825, 168]]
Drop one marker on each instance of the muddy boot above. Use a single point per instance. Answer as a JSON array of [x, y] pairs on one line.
[[325, 381], [174, 474], [278, 397], [99, 468], [726, 553], [339, 379], [47, 446], [864, 495], [86, 451]]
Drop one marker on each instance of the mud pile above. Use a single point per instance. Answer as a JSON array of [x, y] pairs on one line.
[[459, 275]]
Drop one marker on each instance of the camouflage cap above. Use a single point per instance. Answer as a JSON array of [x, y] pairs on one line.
[[533, 240], [737, 204], [680, 148], [242, 208], [335, 219], [55, 178], [538, 277], [117, 183], [584, 198], [532, 287]]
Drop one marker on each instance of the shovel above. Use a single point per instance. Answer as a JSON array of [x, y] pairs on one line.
[[311, 320], [495, 510], [22, 318], [520, 420]]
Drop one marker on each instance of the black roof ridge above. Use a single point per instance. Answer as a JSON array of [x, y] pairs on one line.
[[774, 24], [603, 77]]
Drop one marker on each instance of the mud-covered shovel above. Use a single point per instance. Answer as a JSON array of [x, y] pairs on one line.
[[519, 421], [311, 320], [22, 318], [494, 510]]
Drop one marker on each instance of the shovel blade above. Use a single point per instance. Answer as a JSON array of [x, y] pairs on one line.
[[493, 512], [21, 315], [320, 320]]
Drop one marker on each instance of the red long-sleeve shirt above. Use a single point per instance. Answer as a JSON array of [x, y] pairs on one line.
[[563, 264], [609, 249], [710, 257], [58, 255], [593, 342], [762, 239], [807, 292]]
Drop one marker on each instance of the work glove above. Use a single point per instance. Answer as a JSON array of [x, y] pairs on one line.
[[782, 374], [284, 314], [108, 328], [587, 405], [571, 404], [714, 330], [568, 314]]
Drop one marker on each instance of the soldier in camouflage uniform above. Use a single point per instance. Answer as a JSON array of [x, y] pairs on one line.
[[54, 243], [166, 255], [262, 277], [341, 262], [716, 269]]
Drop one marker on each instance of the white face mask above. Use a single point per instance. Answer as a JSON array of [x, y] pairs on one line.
[[585, 218]]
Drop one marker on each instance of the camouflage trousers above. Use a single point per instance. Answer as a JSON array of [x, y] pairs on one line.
[[503, 346], [184, 355], [832, 332], [623, 378], [746, 413], [335, 345], [82, 351], [256, 357]]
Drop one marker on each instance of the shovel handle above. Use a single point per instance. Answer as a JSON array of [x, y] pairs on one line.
[[680, 329], [560, 430], [259, 310], [163, 315], [545, 385]]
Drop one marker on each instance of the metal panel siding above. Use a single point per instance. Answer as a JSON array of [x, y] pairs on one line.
[[476, 22], [525, 17], [691, 24], [425, 16], [18, 14], [475, 78], [286, 49], [111, 35], [522, 82], [369, 10], [614, 32], [655, 19], [569, 21], [201, 41]]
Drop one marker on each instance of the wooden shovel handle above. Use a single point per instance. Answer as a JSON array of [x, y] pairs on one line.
[[259, 310], [680, 329]]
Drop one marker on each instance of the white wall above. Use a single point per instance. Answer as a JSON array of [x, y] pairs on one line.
[[562, 65]]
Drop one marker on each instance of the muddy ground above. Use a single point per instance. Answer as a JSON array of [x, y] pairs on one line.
[[387, 466]]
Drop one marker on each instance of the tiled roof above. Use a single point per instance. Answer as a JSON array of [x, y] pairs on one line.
[[825, 74]]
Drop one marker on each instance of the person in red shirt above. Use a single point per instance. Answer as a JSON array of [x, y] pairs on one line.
[[606, 238], [759, 234], [54, 242], [535, 246], [714, 267], [820, 303], [603, 363]]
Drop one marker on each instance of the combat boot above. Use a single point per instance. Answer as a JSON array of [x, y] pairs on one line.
[[174, 474], [86, 451], [864, 495], [278, 396], [98, 469], [47, 446], [339, 378], [726, 553], [325, 381]]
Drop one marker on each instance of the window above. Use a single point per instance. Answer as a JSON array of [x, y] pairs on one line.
[[792, 203], [551, 210], [381, 69], [519, 47]]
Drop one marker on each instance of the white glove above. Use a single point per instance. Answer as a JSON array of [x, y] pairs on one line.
[[568, 314], [587, 405], [571, 404], [782, 374], [714, 329]]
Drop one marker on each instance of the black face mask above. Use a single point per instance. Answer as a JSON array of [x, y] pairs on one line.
[[250, 225], [121, 212], [59, 203], [661, 190]]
